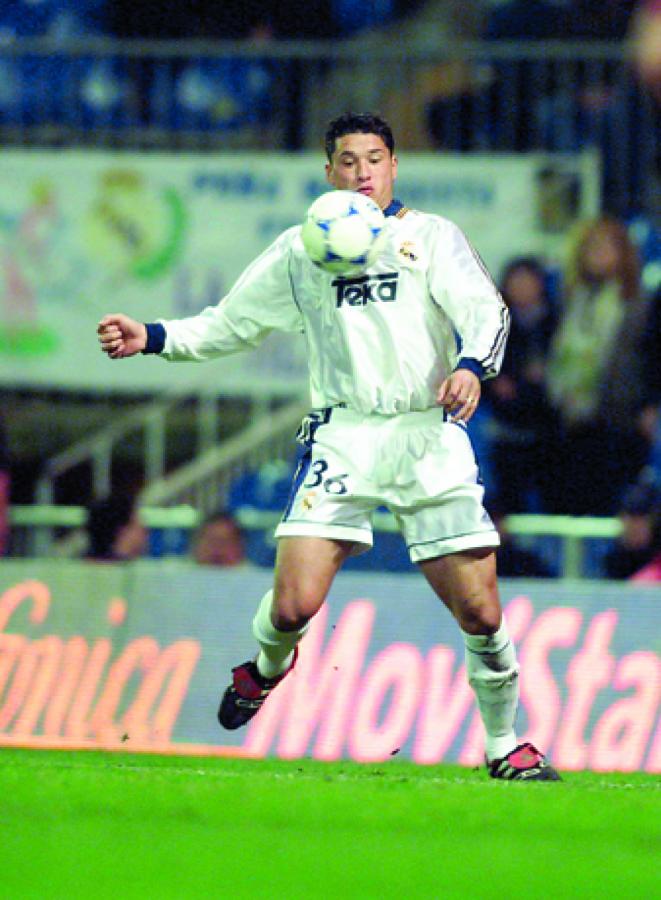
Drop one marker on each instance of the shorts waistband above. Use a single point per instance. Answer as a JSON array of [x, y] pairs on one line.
[[341, 412]]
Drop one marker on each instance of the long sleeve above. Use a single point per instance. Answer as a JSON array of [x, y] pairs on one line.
[[462, 287], [260, 301]]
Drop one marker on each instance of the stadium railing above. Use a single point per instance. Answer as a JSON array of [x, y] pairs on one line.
[[203, 483], [153, 423], [206, 481], [278, 95], [573, 533]]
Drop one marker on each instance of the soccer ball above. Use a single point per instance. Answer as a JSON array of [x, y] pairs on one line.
[[343, 232]]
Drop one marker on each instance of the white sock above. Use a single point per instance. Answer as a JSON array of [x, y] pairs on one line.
[[276, 647], [493, 673]]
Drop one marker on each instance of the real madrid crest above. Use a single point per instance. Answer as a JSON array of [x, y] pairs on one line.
[[408, 251]]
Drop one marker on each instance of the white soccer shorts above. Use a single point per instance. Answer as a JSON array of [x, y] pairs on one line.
[[420, 465]]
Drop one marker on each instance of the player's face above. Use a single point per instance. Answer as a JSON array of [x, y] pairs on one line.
[[363, 163]]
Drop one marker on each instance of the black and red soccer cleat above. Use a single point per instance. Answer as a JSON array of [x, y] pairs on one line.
[[246, 694], [524, 763]]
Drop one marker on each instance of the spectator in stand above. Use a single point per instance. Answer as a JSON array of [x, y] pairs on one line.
[[646, 33], [596, 372], [114, 531], [525, 423], [219, 542], [650, 572], [639, 516]]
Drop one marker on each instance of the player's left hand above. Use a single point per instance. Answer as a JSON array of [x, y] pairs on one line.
[[460, 394]]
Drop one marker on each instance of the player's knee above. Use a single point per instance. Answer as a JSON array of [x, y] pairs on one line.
[[480, 618], [289, 621], [294, 605]]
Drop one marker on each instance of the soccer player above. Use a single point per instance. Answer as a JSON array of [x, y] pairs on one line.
[[391, 397]]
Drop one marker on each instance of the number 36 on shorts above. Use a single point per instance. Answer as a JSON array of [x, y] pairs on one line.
[[332, 484]]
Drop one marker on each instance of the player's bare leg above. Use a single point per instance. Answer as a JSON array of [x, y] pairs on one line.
[[305, 569], [467, 584], [304, 572]]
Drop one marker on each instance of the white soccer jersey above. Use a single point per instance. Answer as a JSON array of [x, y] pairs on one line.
[[379, 343]]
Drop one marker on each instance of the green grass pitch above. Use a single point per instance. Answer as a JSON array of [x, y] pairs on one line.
[[97, 825]]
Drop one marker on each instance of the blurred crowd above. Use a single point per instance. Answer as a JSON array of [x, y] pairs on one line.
[[575, 407], [517, 100], [114, 532], [572, 420]]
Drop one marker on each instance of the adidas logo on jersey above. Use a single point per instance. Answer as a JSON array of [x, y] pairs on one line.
[[366, 288]]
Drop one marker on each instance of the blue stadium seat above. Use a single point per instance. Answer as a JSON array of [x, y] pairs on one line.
[[260, 547], [103, 92], [168, 542], [11, 91], [38, 89], [389, 554], [265, 488], [214, 95], [647, 238]]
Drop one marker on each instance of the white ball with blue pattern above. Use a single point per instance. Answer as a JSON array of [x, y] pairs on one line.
[[343, 232]]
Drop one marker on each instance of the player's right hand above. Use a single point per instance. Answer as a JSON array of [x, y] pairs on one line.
[[121, 336]]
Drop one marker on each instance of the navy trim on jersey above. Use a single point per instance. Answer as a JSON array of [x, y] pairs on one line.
[[393, 208], [501, 336], [473, 365], [308, 427], [155, 337]]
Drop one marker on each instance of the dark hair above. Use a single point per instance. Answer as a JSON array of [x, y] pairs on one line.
[[357, 123], [534, 266], [104, 520], [530, 263]]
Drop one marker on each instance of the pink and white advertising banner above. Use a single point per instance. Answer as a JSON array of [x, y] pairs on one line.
[[136, 657]]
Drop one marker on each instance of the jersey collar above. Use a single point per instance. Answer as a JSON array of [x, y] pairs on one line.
[[393, 208]]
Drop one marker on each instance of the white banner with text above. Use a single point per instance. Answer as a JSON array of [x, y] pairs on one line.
[[83, 233]]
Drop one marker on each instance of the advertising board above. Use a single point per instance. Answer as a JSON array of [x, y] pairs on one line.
[[136, 656]]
